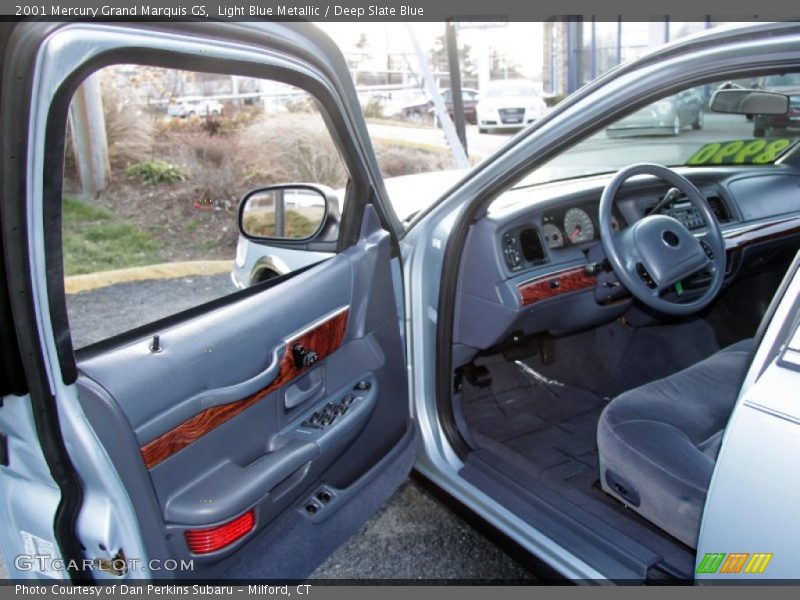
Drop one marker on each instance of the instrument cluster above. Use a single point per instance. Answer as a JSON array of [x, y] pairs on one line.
[[574, 225]]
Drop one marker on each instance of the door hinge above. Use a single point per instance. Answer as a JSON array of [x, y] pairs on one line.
[[117, 565]]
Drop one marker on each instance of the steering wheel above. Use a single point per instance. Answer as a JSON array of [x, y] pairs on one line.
[[658, 251]]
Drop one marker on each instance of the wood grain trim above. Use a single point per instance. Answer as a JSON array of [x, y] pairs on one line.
[[324, 338], [761, 232], [555, 284]]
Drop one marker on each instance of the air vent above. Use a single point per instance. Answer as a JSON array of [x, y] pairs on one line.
[[532, 247], [719, 209]]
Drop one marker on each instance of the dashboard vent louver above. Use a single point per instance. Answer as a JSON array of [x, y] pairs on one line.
[[532, 247], [718, 207]]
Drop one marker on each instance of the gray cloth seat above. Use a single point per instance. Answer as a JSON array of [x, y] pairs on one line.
[[658, 443]]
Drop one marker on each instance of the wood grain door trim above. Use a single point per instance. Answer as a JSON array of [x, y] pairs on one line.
[[324, 337]]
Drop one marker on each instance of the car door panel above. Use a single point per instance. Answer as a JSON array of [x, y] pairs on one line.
[[201, 366], [202, 425], [209, 425]]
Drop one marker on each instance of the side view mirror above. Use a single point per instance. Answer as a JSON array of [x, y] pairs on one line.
[[740, 101], [295, 212]]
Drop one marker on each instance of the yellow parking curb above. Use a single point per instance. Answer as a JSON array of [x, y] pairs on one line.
[[93, 281]]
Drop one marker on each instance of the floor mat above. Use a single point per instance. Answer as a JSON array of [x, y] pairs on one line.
[[550, 423]]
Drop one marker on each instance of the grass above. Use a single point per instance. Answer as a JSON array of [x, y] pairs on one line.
[[97, 240], [398, 122]]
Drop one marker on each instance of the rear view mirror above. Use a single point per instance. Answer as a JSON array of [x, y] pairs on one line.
[[293, 212], [749, 102]]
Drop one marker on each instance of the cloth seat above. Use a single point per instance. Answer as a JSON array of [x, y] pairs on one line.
[[658, 443]]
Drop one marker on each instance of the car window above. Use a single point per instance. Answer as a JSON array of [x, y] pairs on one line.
[[156, 161]]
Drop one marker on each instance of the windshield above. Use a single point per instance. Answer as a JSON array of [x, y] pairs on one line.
[[787, 79], [510, 88], [672, 132]]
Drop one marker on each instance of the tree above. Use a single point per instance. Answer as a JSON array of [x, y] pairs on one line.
[[501, 67], [438, 58]]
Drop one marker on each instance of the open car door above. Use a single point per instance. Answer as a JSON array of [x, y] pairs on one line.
[[188, 448], [758, 449]]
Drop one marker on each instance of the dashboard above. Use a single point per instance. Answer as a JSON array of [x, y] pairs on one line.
[[570, 225], [576, 224], [530, 264]]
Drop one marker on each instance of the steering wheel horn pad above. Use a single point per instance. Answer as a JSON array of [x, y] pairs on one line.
[[658, 250], [667, 249]]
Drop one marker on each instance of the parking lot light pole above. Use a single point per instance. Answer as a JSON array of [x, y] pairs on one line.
[[455, 83], [280, 214], [459, 154], [89, 141]]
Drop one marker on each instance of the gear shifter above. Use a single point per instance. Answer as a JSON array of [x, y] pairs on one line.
[[672, 194]]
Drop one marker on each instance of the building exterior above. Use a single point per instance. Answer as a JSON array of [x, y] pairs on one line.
[[576, 50]]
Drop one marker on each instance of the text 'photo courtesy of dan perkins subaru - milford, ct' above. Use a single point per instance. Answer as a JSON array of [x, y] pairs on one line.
[[311, 299]]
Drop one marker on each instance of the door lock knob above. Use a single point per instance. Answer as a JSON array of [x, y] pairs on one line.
[[304, 357]]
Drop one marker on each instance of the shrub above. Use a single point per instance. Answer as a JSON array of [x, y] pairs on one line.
[[291, 148], [129, 130], [155, 172], [297, 226], [300, 105], [403, 160], [214, 167], [226, 124], [373, 109]]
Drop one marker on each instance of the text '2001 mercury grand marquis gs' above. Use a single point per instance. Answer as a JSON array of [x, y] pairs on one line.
[[598, 357]]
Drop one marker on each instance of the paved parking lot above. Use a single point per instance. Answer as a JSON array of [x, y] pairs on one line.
[[597, 152]]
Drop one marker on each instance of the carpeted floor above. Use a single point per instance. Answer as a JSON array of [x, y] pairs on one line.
[[550, 423], [544, 416]]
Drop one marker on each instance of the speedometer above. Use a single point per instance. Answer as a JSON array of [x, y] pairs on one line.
[[578, 226]]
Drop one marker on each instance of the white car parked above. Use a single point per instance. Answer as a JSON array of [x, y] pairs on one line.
[[509, 104], [201, 108]]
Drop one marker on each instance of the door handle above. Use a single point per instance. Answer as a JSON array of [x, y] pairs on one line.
[[305, 389], [243, 389]]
